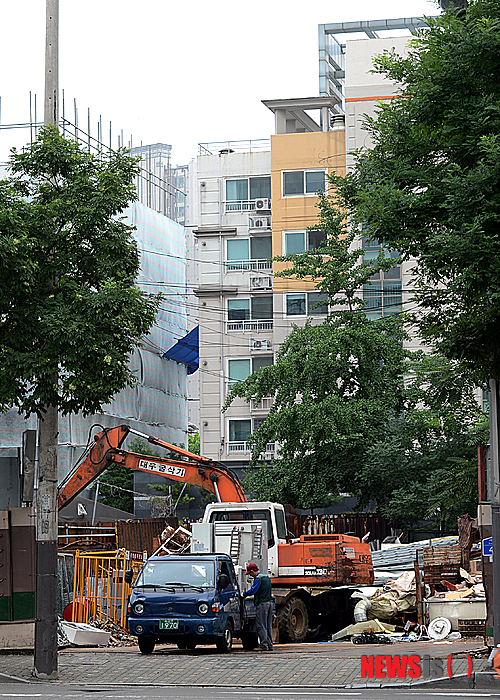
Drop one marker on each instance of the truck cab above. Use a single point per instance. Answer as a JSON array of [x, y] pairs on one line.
[[271, 513], [190, 599]]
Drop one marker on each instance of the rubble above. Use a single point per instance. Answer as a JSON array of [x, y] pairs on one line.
[[119, 637]]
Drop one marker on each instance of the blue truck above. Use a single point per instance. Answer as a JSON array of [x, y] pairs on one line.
[[190, 599]]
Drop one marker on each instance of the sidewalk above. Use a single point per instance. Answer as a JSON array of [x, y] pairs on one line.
[[313, 665]]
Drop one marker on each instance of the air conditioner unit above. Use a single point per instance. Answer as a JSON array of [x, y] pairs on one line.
[[257, 344], [262, 204], [264, 282], [259, 222]]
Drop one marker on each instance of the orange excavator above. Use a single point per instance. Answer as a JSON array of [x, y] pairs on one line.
[[193, 469], [312, 575]]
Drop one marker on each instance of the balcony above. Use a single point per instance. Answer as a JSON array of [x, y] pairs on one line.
[[238, 265], [255, 205], [249, 326], [264, 404], [243, 447]]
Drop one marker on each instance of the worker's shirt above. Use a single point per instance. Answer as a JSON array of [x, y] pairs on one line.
[[255, 587], [261, 589]]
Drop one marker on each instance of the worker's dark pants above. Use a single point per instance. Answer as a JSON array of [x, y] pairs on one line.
[[264, 619]]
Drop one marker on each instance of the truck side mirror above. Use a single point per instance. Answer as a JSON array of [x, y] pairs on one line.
[[223, 581], [128, 576]]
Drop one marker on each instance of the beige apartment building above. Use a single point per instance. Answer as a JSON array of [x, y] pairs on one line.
[[256, 200]]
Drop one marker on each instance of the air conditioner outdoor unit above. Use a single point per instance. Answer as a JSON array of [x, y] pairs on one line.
[[256, 344], [264, 282], [259, 222], [262, 204]]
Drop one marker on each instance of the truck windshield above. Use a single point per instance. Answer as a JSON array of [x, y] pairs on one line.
[[190, 573]]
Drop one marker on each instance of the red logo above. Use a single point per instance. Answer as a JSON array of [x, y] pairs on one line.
[[411, 666]]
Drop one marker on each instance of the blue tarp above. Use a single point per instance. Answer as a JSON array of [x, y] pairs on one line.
[[187, 350]]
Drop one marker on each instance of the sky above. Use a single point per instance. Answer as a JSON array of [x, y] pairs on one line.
[[172, 72]]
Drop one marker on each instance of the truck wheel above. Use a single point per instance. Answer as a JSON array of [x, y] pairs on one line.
[[146, 644], [293, 621], [249, 640], [225, 643]]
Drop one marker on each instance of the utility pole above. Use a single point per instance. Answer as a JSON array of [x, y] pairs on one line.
[[495, 502], [46, 504]]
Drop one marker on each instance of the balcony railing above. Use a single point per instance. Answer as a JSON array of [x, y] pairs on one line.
[[249, 326], [238, 265], [262, 405], [240, 205], [242, 447]]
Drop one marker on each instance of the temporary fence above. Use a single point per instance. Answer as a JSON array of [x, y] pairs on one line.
[[100, 591]]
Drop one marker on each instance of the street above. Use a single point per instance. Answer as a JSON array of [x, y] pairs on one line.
[[67, 692]]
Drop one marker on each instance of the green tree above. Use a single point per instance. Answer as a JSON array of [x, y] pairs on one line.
[[430, 185], [335, 384], [69, 305], [194, 443], [425, 468], [116, 491]]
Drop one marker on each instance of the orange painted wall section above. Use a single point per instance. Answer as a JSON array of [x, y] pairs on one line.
[[312, 150]]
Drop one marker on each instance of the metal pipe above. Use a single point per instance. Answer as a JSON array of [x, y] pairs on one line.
[[95, 502]]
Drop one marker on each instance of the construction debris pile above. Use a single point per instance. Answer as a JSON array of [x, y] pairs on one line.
[[119, 637], [412, 607], [471, 587]]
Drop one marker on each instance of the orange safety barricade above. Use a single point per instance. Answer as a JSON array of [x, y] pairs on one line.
[[99, 590]]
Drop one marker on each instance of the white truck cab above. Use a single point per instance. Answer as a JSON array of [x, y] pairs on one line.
[[272, 513]]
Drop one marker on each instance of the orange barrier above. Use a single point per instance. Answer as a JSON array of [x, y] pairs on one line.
[[100, 591]]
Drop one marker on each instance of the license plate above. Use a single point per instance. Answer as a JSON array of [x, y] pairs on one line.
[[169, 624]]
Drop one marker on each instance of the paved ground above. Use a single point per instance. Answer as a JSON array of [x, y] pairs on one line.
[[312, 665]]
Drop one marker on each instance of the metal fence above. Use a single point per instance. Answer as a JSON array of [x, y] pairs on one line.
[[100, 591]]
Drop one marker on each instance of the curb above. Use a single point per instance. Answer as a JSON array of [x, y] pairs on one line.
[[477, 680], [5, 678]]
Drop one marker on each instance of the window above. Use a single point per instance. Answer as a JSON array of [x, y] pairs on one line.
[[238, 249], [235, 515], [384, 295], [262, 307], [240, 369], [249, 254], [250, 314], [240, 430], [236, 190], [238, 309], [382, 298], [297, 242], [260, 188], [280, 524], [241, 193], [302, 182], [260, 362], [306, 304], [261, 248]]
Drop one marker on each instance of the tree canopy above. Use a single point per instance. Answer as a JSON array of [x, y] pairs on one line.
[[69, 305], [355, 412], [429, 185], [335, 384]]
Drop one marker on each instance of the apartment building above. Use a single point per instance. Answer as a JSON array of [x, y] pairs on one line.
[[256, 200], [346, 54]]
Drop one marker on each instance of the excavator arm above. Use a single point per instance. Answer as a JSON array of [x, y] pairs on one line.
[[194, 469]]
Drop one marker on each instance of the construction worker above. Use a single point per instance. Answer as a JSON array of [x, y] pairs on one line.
[[261, 591]]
